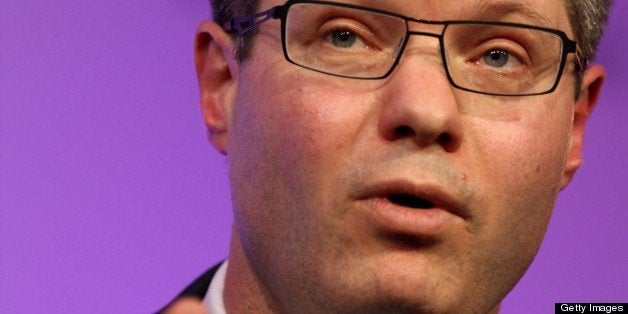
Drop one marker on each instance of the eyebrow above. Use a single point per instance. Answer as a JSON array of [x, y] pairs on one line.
[[499, 9]]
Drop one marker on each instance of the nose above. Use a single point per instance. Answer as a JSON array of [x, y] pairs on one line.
[[420, 105]]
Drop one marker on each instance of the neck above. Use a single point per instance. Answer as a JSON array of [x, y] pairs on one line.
[[244, 291]]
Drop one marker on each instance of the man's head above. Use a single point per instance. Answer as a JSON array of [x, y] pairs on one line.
[[395, 194]]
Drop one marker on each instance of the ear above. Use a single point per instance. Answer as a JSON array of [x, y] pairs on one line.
[[217, 71], [589, 94]]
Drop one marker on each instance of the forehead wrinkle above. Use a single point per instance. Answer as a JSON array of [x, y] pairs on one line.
[[491, 9]]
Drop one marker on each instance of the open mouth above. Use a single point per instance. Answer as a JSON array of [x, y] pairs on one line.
[[411, 201]]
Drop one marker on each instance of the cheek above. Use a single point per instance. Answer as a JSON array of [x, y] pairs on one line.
[[305, 128], [521, 162], [525, 155], [288, 145], [517, 168]]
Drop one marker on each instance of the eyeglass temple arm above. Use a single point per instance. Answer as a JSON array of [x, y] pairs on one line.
[[243, 24], [581, 61]]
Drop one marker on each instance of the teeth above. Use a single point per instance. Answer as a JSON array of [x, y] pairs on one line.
[[410, 201]]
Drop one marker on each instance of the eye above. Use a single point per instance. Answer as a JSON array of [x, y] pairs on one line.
[[345, 34], [501, 58], [496, 58], [343, 38]]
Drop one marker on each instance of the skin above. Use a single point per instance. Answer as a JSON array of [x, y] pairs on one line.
[[186, 306], [305, 148]]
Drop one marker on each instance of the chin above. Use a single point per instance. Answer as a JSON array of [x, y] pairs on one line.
[[396, 304], [382, 289]]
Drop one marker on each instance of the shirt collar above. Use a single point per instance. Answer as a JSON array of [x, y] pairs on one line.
[[213, 301]]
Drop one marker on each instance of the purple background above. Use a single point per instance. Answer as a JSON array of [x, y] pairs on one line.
[[111, 199]]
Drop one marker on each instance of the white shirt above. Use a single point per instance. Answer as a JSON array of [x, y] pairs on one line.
[[213, 301]]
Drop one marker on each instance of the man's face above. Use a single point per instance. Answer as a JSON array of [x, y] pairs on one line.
[[396, 194]]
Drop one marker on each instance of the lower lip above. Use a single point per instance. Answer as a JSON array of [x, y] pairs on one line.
[[417, 222]]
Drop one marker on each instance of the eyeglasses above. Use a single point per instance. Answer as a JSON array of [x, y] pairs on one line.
[[346, 40]]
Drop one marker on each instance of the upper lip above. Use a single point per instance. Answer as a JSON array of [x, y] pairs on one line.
[[434, 193]]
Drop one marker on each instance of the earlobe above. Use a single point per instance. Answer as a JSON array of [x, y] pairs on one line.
[[589, 95], [217, 72]]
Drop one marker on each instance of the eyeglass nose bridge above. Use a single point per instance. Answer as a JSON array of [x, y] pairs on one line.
[[437, 34], [401, 50], [413, 33], [416, 27], [425, 27], [438, 49]]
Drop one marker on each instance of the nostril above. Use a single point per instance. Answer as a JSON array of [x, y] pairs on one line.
[[449, 142], [444, 138], [404, 131]]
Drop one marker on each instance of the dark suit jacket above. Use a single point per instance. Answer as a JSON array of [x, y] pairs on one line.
[[198, 288]]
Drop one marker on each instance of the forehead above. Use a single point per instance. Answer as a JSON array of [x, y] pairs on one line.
[[536, 12]]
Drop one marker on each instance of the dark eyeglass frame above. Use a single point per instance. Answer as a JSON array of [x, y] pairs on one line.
[[244, 24]]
